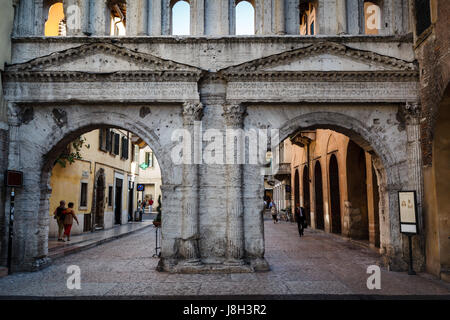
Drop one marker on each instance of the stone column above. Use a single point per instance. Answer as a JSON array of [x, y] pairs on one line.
[[263, 17], [217, 17], [99, 18], [234, 116], [292, 14], [280, 17], [154, 18], [166, 14], [341, 17], [24, 22], [197, 17], [137, 19], [77, 17], [189, 247], [412, 117], [326, 17]]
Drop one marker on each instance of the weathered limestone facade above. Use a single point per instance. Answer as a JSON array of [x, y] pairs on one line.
[[152, 85]]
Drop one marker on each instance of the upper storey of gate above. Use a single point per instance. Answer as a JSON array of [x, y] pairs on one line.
[[133, 18]]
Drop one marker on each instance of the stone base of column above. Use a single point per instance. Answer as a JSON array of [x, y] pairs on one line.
[[234, 262], [41, 263], [254, 265], [192, 262]]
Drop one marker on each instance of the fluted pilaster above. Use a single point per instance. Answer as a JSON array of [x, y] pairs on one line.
[[189, 249], [234, 116], [412, 117]]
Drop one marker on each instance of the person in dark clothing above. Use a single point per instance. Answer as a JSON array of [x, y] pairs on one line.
[[300, 218]]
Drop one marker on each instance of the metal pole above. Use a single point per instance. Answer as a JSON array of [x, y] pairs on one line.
[[11, 225], [410, 269]]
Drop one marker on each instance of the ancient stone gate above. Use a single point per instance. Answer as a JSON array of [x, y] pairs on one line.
[[59, 88]]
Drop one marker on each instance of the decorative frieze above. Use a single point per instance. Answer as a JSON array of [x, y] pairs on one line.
[[294, 91]]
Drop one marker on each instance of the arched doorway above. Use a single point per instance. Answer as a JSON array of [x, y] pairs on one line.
[[99, 200], [306, 194], [318, 193], [296, 188], [335, 196], [358, 217]]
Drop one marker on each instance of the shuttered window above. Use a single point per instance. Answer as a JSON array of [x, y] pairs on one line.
[[110, 196], [116, 147], [103, 138], [83, 195], [124, 148], [108, 139], [149, 159]]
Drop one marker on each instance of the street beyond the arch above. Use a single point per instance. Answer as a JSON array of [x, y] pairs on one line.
[[318, 263]]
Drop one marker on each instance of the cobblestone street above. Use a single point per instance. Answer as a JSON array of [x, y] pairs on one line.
[[318, 263]]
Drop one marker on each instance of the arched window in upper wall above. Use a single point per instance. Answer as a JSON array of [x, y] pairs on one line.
[[181, 17], [118, 9], [245, 18], [422, 10], [372, 18], [55, 24], [307, 18]]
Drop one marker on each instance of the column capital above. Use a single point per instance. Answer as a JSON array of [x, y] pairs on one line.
[[192, 111], [411, 112], [234, 114]]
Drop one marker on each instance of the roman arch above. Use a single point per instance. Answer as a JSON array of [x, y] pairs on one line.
[[58, 88]]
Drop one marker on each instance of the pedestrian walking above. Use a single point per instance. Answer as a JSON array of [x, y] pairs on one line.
[[273, 211], [300, 218], [150, 205], [69, 216], [59, 217]]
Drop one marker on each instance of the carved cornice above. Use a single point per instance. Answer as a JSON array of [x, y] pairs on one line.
[[234, 114], [366, 57], [148, 61], [119, 76], [192, 111], [332, 76]]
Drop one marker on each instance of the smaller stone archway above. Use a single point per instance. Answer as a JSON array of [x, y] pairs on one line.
[[296, 188], [335, 195], [358, 216], [318, 197], [306, 193]]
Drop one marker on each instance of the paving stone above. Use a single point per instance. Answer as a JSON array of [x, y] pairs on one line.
[[315, 264]]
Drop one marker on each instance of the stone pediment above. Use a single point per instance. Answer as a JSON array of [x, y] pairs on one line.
[[101, 58], [321, 57]]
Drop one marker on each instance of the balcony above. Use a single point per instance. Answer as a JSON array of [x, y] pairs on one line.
[[283, 172]]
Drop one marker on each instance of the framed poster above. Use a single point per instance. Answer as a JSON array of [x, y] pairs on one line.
[[408, 212]]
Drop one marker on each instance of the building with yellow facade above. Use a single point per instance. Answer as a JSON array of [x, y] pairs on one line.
[[102, 184]]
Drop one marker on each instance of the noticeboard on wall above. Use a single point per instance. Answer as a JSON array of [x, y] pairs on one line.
[[408, 212]]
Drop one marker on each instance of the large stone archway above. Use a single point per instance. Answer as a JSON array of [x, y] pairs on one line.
[[212, 212], [391, 156]]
